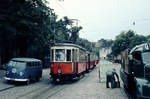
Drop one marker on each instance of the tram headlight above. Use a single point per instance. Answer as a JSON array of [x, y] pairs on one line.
[[59, 70], [21, 73]]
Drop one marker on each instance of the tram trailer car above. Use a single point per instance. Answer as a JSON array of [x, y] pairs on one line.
[[92, 60], [67, 61]]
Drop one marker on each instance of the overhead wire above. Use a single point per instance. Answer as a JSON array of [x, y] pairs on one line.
[[65, 11]]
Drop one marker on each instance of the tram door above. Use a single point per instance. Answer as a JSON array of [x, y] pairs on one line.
[[88, 61], [74, 60]]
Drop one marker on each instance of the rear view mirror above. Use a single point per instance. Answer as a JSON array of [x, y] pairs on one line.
[[130, 57]]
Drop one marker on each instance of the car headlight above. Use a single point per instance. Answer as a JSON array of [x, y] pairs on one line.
[[59, 70], [14, 70], [21, 73]]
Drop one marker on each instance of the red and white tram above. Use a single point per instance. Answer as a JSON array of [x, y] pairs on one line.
[[67, 61]]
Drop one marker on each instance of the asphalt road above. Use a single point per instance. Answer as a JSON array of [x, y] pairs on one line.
[[87, 87]]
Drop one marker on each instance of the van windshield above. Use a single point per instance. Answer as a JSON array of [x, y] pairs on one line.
[[146, 58], [17, 64]]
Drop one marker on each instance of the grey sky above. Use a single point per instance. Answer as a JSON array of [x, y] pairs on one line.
[[106, 18]]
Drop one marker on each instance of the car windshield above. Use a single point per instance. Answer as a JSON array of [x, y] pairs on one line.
[[17, 64], [146, 57], [60, 55]]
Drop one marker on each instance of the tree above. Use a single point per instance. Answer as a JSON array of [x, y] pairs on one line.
[[127, 40], [26, 26], [75, 33], [62, 29]]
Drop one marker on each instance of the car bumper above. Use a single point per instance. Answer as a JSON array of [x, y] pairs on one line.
[[14, 79]]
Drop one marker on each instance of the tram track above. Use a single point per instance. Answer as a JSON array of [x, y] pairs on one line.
[[82, 79], [33, 91], [55, 89], [5, 89], [49, 88], [55, 92]]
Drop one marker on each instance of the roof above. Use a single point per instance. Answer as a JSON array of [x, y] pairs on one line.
[[69, 44], [25, 59]]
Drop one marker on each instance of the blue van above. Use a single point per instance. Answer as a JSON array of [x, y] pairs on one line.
[[24, 70]]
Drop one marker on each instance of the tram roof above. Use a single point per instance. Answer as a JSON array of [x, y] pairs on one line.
[[69, 44], [142, 47]]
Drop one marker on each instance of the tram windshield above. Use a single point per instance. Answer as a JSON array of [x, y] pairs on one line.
[[60, 55], [146, 58]]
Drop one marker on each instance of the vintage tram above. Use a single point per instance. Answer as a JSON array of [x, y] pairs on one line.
[[69, 61]]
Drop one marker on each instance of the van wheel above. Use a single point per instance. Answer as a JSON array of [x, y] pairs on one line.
[[37, 79], [8, 81], [28, 82]]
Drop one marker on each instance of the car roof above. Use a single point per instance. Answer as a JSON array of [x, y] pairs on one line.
[[25, 59]]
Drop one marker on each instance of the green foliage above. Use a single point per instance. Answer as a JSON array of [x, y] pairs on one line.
[[105, 43], [26, 26], [75, 33], [62, 30], [85, 43], [127, 40]]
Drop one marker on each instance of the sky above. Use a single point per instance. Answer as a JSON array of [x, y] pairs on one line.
[[105, 18]]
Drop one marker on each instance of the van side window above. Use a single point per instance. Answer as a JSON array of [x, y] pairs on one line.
[[30, 64], [38, 64], [35, 64]]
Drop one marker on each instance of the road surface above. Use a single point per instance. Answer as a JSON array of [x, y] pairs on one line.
[[88, 87]]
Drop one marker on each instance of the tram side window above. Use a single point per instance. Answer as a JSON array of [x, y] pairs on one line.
[[73, 55], [52, 55], [77, 55], [68, 55], [82, 56], [60, 55]]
